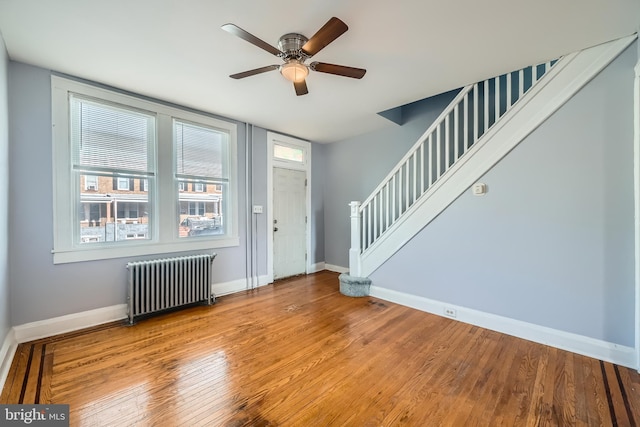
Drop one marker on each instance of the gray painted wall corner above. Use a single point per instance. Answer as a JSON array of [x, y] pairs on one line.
[[5, 322], [318, 176]]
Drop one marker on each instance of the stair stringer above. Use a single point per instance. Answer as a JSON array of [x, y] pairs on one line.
[[564, 80]]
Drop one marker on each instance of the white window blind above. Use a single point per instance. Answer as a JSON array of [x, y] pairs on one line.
[[108, 138], [116, 143], [200, 152], [201, 155]]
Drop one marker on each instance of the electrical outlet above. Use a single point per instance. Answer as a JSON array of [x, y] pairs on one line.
[[479, 189], [450, 312]]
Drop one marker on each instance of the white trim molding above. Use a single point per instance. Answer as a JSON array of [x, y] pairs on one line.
[[233, 286], [318, 266], [7, 351], [336, 268], [636, 203], [164, 236], [273, 138], [575, 343], [86, 319], [69, 323]]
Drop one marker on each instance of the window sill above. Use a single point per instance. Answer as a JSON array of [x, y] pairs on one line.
[[133, 250]]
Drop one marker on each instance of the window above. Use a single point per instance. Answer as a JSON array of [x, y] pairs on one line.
[[287, 153], [116, 141], [115, 197], [202, 157], [131, 236], [122, 184], [92, 214], [130, 212], [196, 208], [90, 183]]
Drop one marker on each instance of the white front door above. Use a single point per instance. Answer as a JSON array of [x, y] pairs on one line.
[[289, 223]]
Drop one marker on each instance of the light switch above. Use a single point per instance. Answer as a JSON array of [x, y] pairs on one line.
[[257, 209]]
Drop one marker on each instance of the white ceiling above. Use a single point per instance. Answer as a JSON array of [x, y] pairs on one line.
[[412, 49]]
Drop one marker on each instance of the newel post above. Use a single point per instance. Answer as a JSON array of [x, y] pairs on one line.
[[354, 252]]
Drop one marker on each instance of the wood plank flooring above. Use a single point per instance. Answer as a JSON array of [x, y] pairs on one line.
[[298, 353]]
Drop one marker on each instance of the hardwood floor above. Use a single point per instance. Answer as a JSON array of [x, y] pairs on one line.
[[298, 353]]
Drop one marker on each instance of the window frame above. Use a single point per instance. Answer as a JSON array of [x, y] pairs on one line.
[[126, 187], [94, 180], [285, 160], [163, 194]]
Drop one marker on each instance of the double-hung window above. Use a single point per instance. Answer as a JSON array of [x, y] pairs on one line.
[[135, 177], [202, 166], [111, 142]]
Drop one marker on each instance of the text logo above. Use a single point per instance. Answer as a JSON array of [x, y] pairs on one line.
[[34, 415]]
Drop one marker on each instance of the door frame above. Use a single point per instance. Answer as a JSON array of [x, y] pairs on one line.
[[273, 138]]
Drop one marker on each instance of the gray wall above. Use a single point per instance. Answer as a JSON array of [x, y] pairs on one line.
[[258, 196], [42, 290], [5, 323], [552, 241], [318, 176], [354, 167]]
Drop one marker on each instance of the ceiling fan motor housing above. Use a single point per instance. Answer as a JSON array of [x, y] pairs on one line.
[[291, 44]]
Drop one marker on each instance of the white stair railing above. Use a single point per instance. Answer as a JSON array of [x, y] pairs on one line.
[[466, 119]]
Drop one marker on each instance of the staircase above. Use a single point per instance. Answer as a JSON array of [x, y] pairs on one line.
[[481, 125]]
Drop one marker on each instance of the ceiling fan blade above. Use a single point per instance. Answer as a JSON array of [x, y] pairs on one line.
[[301, 88], [339, 70], [330, 31], [239, 32], [254, 72]]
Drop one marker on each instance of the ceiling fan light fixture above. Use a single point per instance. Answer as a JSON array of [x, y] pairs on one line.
[[294, 71]]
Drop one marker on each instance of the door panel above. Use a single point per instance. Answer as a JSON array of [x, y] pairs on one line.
[[289, 213]]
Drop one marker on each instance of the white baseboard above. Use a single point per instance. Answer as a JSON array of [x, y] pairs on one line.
[[336, 268], [598, 349], [319, 266], [86, 319], [226, 288], [68, 323], [8, 350]]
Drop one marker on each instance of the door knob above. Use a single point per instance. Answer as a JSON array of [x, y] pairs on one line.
[[275, 228]]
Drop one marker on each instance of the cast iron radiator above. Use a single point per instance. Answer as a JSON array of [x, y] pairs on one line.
[[162, 284]]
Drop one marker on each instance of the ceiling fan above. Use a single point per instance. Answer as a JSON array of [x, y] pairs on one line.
[[295, 49]]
